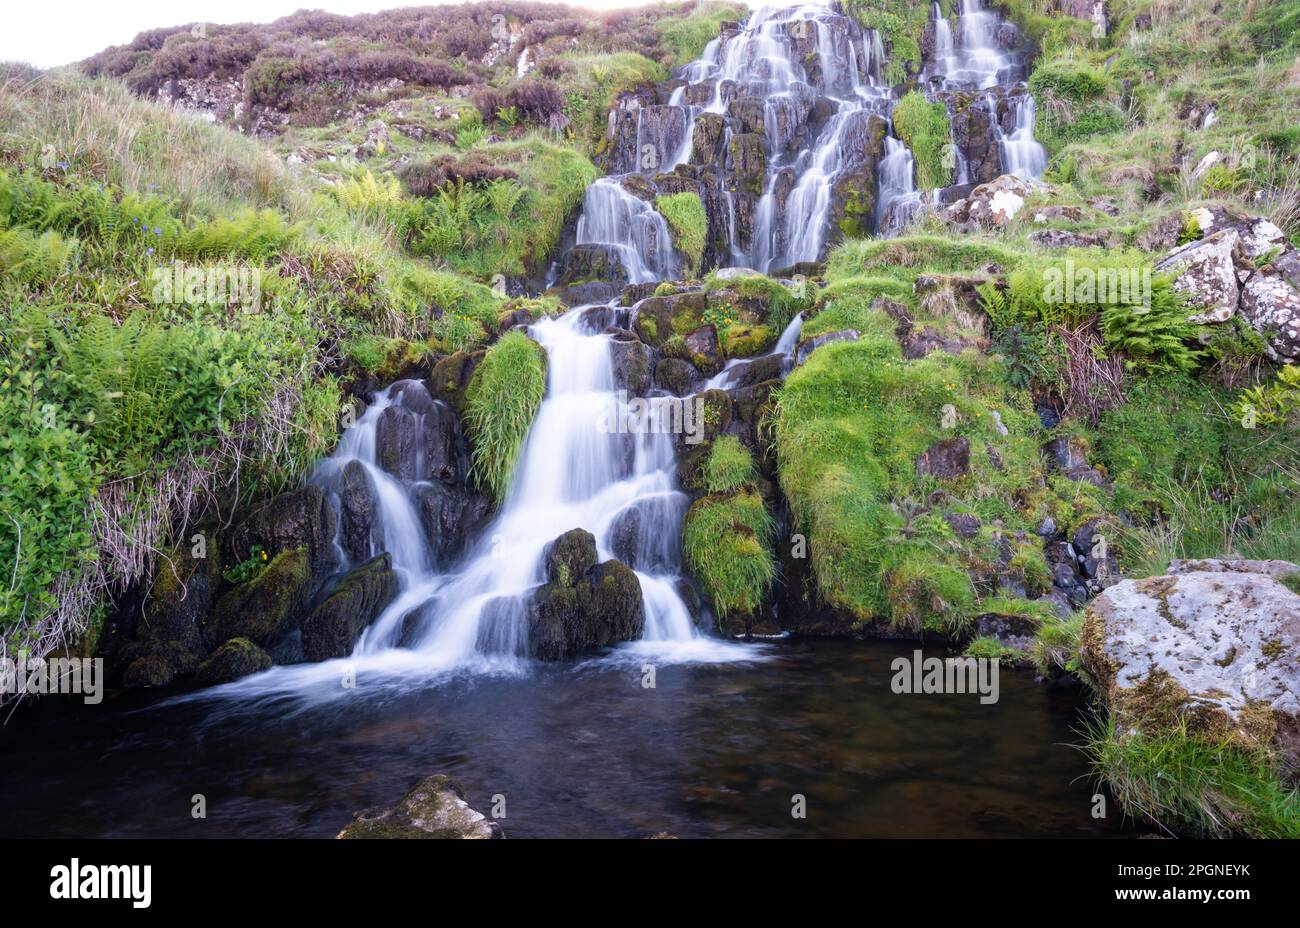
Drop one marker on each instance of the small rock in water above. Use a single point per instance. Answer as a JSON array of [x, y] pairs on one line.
[[434, 808]]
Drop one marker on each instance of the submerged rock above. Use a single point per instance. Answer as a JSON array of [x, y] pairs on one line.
[[434, 808], [1217, 649]]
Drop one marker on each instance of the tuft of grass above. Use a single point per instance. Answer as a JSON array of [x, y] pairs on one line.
[[728, 467], [502, 398], [686, 217], [727, 543], [924, 127], [1190, 785]]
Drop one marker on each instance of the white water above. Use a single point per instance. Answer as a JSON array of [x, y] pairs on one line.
[[1022, 154], [899, 199], [630, 228]]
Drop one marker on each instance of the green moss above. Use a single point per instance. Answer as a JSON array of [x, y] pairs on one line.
[[727, 542], [690, 225], [745, 341], [925, 129], [992, 649], [502, 398], [686, 38]]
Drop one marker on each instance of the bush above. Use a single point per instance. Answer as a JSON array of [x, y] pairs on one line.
[[727, 543]]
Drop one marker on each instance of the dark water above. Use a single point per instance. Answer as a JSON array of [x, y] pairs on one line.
[[576, 751]]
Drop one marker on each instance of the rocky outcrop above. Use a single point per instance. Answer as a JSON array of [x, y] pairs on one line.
[[991, 205], [434, 808], [1215, 649], [1241, 265], [584, 606]]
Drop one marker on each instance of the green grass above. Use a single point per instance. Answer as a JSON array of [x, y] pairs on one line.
[[690, 226], [924, 127], [1186, 784], [502, 398], [728, 467], [727, 543], [687, 37]]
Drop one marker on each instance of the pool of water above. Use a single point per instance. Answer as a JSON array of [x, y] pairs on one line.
[[575, 750]]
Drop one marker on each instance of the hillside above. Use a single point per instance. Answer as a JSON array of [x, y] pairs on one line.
[[977, 357]]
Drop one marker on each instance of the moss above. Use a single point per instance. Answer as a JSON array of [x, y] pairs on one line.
[[690, 226], [992, 649], [502, 398], [745, 341], [263, 608]]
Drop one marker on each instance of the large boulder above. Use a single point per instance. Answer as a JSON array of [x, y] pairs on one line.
[[583, 606], [1215, 646], [991, 205], [1207, 273], [333, 627], [434, 808], [361, 521], [237, 658], [302, 519]]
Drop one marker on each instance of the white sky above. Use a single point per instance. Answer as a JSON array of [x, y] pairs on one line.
[[48, 33]]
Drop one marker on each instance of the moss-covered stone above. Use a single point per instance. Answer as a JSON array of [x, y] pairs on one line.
[[333, 627], [237, 658], [434, 808], [267, 607]]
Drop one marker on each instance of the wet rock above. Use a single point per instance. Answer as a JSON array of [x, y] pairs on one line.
[[451, 376], [1009, 630], [333, 627], [361, 522], [632, 360], [854, 192], [183, 592], [975, 135], [678, 377], [705, 352], [148, 671], [749, 163], [298, 519], [434, 808], [583, 606], [1215, 650], [237, 658], [946, 459], [267, 607], [582, 294], [585, 263], [396, 440], [708, 141], [449, 516], [444, 456], [1070, 458]]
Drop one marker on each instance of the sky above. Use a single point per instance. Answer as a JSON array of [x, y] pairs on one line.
[[48, 34]]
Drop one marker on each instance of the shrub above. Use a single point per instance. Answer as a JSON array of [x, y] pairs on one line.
[[727, 544]]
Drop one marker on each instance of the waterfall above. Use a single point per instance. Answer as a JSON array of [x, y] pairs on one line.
[[573, 472], [899, 199], [730, 375], [1022, 154], [629, 228], [973, 60]]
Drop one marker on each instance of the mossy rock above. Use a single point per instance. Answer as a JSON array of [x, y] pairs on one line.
[[745, 341], [451, 377], [333, 627], [434, 808], [237, 658], [267, 607]]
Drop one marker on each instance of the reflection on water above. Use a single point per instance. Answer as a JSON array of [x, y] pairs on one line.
[[586, 750]]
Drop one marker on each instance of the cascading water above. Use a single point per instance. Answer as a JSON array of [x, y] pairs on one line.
[[975, 61], [629, 228]]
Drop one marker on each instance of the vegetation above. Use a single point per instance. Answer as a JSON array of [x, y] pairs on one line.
[[924, 128], [686, 217], [502, 399]]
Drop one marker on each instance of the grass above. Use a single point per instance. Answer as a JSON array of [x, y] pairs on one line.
[[728, 467], [690, 226], [727, 543], [924, 128], [687, 37], [1186, 784], [502, 398]]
